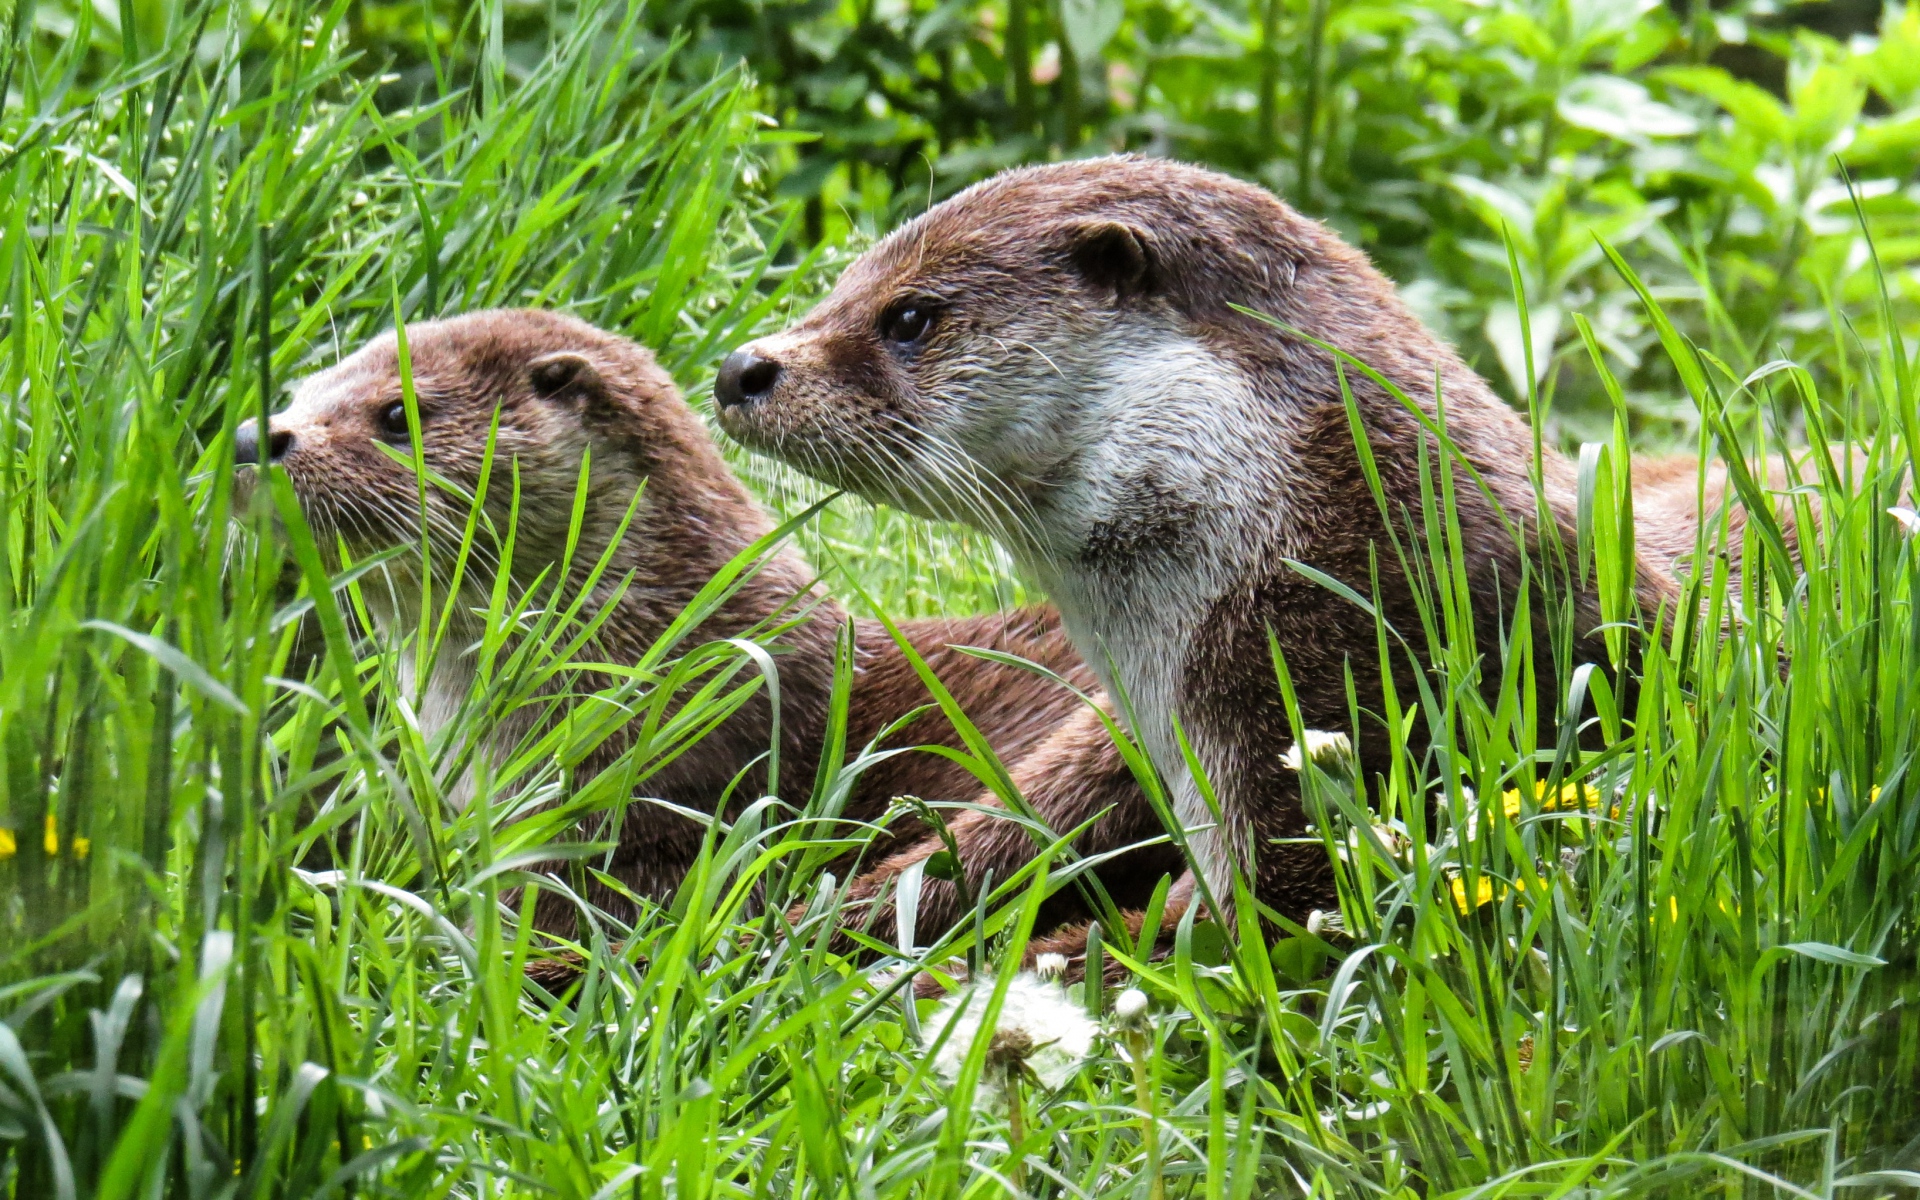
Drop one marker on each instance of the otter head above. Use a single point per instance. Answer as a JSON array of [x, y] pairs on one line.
[[1045, 348], [564, 392]]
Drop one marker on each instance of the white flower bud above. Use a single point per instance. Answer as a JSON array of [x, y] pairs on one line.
[[1130, 1006], [1329, 751]]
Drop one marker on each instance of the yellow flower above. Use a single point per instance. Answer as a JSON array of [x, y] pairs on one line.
[[1482, 894], [1485, 892], [81, 846], [1570, 795], [52, 842], [8, 845]]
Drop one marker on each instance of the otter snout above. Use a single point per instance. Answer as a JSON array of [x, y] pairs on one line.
[[744, 377], [246, 443]]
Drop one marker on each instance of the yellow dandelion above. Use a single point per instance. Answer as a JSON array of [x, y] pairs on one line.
[[1571, 795], [1482, 894], [81, 846], [8, 844], [52, 840]]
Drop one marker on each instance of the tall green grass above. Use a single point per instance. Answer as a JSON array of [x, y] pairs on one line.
[[246, 948]]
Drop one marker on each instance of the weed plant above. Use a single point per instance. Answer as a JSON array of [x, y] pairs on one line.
[[249, 949]]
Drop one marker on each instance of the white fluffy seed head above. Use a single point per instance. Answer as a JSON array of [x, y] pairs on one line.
[[1050, 966], [1130, 1006], [1038, 1028]]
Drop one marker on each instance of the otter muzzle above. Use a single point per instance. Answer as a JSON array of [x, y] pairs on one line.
[[744, 378]]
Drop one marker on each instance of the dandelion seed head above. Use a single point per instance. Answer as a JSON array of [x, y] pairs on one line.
[[1050, 966], [1010, 1049], [1130, 1006], [1039, 1032]]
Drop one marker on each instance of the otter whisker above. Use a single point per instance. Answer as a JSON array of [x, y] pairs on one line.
[[1003, 344], [1022, 524], [996, 505]]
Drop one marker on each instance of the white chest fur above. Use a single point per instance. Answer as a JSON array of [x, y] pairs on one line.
[[1176, 487]]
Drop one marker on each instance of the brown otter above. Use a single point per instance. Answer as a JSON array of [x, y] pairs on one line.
[[1059, 356], [565, 391]]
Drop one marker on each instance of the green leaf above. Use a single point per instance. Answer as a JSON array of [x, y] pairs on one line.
[[1837, 955], [1621, 109], [173, 660], [1090, 25]]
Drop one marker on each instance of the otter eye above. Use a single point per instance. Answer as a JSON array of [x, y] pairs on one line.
[[906, 324], [393, 420]]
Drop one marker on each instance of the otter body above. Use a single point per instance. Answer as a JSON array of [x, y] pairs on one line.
[[1057, 355], [567, 392]]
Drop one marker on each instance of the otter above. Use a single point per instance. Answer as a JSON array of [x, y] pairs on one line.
[[1063, 356], [565, 392]]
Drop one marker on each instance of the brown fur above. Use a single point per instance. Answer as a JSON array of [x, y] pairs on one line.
[[1042, 282], [563, 389], [1671, 494]]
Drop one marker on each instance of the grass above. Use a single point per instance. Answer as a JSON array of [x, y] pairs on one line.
[[247, 950]]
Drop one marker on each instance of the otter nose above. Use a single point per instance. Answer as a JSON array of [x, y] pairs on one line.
[[744, 378], [246, 443]]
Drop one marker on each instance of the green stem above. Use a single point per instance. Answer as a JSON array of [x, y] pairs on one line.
[[1069, 91], [1020, 65], [1269, 132], [1149, 1121], [1310, 100], [1017, 1131]]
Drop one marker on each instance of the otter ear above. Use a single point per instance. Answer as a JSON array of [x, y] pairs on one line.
[[564, 371], [1112, 255]]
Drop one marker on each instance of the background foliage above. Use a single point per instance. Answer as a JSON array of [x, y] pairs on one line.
[[1712, 146], [248, 949]]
